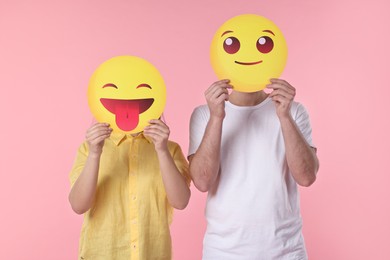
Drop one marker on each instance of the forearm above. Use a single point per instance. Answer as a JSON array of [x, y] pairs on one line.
[[83, 191], [205, 163], [178, 192], [301, 158]]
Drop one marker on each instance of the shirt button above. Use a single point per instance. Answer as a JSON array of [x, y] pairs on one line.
[[134, 197], [134, 246]]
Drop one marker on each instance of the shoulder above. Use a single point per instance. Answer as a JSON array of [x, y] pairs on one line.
[[173, 144], [298, 109], [296, 105], [201, 109], [299, 113], [200, 112], [173, 147], [83, 148]]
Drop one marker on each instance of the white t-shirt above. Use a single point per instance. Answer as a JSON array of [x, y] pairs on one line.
[[253, 209]]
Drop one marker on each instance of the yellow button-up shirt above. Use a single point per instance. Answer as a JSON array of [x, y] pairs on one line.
[[130, 216]]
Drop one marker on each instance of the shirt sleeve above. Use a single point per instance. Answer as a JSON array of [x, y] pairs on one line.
[[198, 123], [303, 122], [78, 164], [181, 164]]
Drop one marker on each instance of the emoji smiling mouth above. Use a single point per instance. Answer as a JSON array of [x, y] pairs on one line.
[[127, 111], [248, 63]]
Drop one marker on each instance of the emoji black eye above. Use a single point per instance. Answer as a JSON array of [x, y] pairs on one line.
[[265, 44], [109, 85], [144, 85], [231, 45]]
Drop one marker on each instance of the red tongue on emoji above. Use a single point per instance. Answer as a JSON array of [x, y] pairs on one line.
[[127, 115], [127, 111]]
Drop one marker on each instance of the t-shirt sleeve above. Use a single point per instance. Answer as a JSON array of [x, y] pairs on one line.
[[303, 122], [78, 164], [198, 123]]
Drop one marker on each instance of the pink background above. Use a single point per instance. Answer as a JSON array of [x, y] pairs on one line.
[[338, 61]]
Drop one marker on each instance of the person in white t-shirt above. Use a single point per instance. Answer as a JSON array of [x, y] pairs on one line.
[[249, 151]]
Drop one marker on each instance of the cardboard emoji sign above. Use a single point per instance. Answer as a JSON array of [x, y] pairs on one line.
[[249, 50], [126, 92]]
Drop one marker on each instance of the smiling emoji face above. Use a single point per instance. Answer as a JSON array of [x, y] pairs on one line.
[[126, 92], [249, 50]]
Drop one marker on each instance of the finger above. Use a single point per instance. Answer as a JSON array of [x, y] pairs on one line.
[[98, 139], [281, 99], [218, 84], [98, 131], [158, 122], [157, 128], [154, 136], [156, 133], [279, 83], [216, 89], [150, 135], [155, 123], [97, 126], [102, 138], [284, 85], [281, 93], [281, 89], [218, 92], [221, 85], [222, 98]]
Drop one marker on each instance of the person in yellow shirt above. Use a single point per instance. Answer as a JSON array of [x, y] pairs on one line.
[[127, 185]]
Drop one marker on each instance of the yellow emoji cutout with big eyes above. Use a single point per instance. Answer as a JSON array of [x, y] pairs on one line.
[[248, 50], [126, 92]]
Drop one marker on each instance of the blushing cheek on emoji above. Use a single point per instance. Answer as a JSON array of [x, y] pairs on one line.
[[249, 50], [126, 92]]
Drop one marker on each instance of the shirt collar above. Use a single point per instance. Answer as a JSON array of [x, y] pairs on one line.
[[118, 137]]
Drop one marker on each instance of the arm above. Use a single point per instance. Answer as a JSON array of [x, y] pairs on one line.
[[301, 158], [178, 192], [204, 164], [83, 191]]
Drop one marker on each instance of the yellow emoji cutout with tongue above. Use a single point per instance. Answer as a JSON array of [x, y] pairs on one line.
[[126, 92]]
